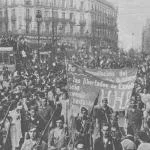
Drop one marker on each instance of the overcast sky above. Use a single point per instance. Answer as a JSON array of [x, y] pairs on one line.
[[132, 18]]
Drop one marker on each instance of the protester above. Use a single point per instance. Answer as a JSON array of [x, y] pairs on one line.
[[32, 142], [82, 124], [134, 116], [57, 138], [129, 143], [144, 141]]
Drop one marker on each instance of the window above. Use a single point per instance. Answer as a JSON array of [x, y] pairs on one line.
[[81, 5], [20, 22], [47, 3], [12, 59], [47, 27], [63, 15], [71, 16], [27, 12], [55, 14], [63, 3], [6, 58], [13, 12], [54, 3], [81, 16], [71, 29], [81, 30], [46, 13], [1, 58], [38, 2], [71, 3], [13, 2]]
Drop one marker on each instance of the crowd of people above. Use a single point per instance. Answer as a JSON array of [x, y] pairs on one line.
[[34, 104]]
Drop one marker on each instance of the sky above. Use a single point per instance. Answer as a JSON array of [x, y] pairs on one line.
[[131, 20]]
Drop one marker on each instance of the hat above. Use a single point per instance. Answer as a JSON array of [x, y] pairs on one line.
[[60, 119], [33, 128], [143, 136], [80, 146], [105, 100], [33, 107], [84, 109]]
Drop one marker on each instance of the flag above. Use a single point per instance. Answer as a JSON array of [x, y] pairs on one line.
[[95, 103]]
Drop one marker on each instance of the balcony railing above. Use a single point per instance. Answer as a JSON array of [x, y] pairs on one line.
[[47, 19], [13, 18], [28, 18], [63, 20], [82, 22], [38, 4], [27, 3]]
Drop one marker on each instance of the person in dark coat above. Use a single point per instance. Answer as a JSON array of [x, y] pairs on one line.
[[106, 142], [134, 116], [82, 127]]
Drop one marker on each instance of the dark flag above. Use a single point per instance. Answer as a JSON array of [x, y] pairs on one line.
[[95, 103]]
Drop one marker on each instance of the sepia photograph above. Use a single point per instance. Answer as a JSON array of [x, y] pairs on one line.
[[74, 75]]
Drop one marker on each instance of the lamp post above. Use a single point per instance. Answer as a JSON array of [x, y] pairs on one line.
[[39, 20]]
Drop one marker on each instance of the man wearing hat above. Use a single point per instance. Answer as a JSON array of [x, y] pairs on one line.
[[57, 138], [45, 111], [103, 114], [134, 116], [31, 143], [33, 119], [82, 125]]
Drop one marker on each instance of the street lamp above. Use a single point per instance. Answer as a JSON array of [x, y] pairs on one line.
[[39, 20]]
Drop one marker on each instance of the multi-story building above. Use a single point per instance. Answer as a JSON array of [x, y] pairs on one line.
[[74, 21], [146, 38]]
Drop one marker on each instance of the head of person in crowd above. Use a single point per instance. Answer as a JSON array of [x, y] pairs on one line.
[[114, 118], [115, 134], [105, 130], [130, 131], [1, 112], [33, 133], [60, 122], [58, 91], [84, 112], [138, 97], [143, 137], [104, 102], [32, 111], [80, 146], [43, 102], [133, 103]]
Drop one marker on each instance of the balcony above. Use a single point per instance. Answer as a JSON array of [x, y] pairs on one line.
[[28, 18], [12, 5], [38, 5], [82, 22], [63, 20], [47, 19], [13, 18], [27, 3]]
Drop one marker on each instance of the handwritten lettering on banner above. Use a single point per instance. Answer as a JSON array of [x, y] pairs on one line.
[[116, 85]]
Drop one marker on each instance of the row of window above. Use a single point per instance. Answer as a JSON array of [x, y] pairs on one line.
[[55, 3], [103, 19], [100, 7], [105, 33]]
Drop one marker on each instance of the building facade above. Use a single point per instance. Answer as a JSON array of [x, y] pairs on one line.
[[75, 21], [146, 38]]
